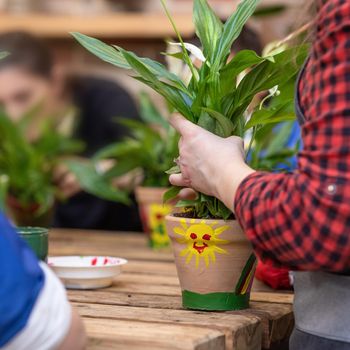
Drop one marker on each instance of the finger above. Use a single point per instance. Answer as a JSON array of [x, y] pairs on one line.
[[71, 190], [187, 193], [179, 180], [59, 173], [182, 125], [69, 180], [70, 185]]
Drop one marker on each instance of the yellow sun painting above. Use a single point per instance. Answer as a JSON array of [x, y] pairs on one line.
[[202, 241]]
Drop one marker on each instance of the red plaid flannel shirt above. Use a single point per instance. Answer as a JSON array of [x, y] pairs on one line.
[[302, 219]]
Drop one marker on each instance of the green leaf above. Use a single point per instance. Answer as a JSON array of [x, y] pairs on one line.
[[208, 27], [279, 138], [105, 52], [94, 183], [224, 126], [267, 74], [178, 101], [116, 56], [174, 170], [122, 167], [242, 60], [171, 193], [150, 113], [271, 10], [140, 129], [3, 54], [138, 66], [186, 203], [162, 73], [186, 57], [224, 212], [4, 184], [178, 55], [207, 122], [116, 150], [233, 28], [269, 116]]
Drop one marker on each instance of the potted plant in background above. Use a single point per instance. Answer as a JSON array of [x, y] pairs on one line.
[[151, 148], [214, 259], [26, 170]]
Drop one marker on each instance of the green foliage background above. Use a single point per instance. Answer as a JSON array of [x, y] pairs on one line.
[[26, 168]]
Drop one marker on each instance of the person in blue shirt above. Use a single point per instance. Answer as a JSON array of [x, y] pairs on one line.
[[34, 310]]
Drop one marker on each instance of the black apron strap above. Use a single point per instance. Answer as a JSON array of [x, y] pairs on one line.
[[299, 113]]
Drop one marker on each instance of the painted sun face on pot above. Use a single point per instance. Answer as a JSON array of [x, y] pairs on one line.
[[202, 241], [157, 213]]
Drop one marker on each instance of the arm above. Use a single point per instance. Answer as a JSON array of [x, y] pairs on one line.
[[34, 310], [302, 219], [76, 337]]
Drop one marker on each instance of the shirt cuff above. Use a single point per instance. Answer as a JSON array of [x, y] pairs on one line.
[[50, 319], [243, 190]]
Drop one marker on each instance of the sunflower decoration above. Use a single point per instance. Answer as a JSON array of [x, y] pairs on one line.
[[202, 241]]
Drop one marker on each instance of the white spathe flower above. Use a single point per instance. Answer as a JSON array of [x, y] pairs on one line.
[[193, 49], [177, 66], [274, 91]]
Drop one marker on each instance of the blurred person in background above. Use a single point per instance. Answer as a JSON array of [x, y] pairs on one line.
[[34, 310], [29, 78]]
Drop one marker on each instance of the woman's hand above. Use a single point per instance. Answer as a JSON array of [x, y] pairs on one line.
[[209, 164], [66, 181]]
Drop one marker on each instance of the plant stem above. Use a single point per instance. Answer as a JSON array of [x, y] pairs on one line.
[[294, 34], [188, 59], [251, 142]]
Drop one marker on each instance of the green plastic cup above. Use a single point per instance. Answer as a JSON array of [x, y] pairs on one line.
[[37, 238]]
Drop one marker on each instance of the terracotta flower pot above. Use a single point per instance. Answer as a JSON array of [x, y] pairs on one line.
[[153, 212], [28, 215], [215, 263]]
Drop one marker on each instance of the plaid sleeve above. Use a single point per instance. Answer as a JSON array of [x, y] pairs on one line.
[[302, 219]]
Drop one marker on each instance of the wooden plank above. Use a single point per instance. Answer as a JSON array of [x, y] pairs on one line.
[[150, 282], [115, 25], [107, 296], [97, 248], [241, 331], [273, 297], [119, 334], [151, 268], [166, 280], [73, 235], [131, 246], [126, 284], [277, 319]]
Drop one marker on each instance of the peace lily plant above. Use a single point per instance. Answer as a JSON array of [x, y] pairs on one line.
[[218, 93], [218, 96], [27, 188]]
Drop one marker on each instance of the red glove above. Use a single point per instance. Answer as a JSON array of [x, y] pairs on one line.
[[276, 278]]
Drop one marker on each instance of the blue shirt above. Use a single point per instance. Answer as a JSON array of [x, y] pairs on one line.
[[21, 280]]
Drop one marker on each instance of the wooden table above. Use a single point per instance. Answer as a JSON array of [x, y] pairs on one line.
[[142, 310]]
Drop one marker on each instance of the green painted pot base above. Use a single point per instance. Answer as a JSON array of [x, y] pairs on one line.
[[215, 301]]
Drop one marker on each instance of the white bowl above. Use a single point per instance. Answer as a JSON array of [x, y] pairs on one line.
[[86, 272]]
